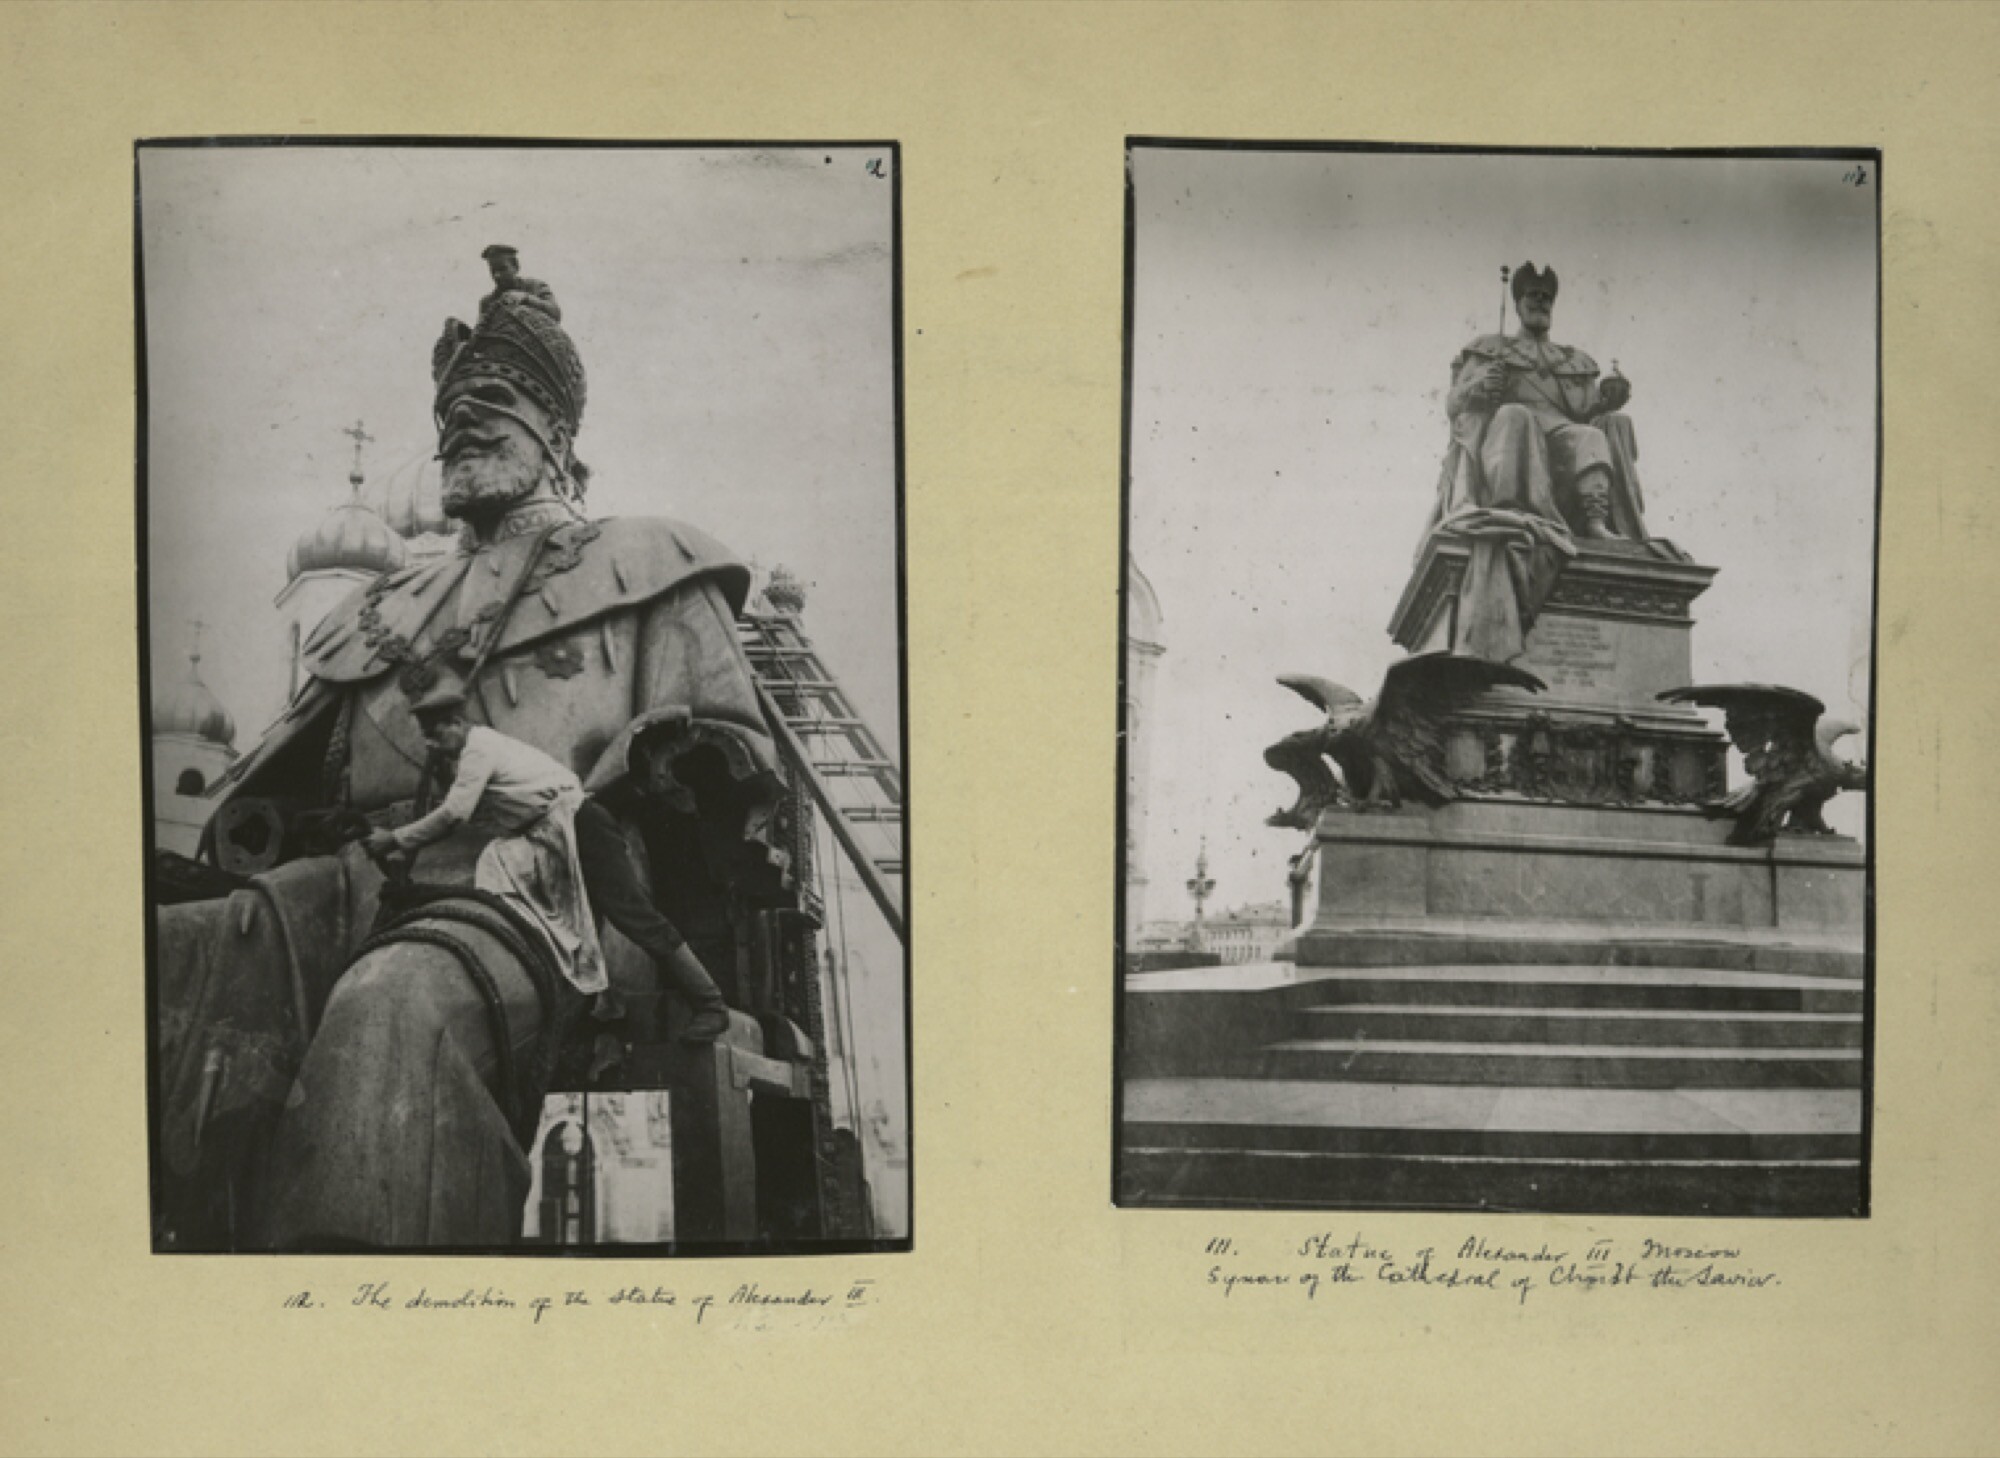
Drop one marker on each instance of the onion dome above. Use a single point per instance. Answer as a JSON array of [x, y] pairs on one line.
[[352, 536], [412, 502], [784, 592], [186, 705]]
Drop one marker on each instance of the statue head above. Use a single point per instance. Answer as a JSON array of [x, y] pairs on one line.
[[510, 396], [1534, 297]]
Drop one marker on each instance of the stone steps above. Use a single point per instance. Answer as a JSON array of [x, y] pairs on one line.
[[1554, 987], [1684, 1027], [1557, 1087], [1276, 1180], [1569, 1027], [1305, 1144], [1553, 1145], [1547, 1065]]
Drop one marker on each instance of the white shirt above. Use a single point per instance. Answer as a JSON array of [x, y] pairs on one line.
[[502, 787]]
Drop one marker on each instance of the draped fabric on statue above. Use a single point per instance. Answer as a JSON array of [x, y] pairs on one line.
[[1519, 539], [240, 982], [538, 872], [1515, 561]]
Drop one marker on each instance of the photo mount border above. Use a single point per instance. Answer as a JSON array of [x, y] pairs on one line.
[[679, 1250], [1864, 1205]]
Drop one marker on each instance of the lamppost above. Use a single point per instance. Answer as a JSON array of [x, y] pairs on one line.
[[1200, 888]]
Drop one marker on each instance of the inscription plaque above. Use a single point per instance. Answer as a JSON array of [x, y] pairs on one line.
[[1574, 653]]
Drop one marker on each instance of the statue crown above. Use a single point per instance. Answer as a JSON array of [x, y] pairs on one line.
[[521, 345], [1527, 276]]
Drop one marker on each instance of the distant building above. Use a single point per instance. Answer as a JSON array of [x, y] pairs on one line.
[[193, 743], [1249, 933], [350, 547], [1144, 644]]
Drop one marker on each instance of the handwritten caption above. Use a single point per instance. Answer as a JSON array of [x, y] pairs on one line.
[[747, 1302], [1323, 1265]]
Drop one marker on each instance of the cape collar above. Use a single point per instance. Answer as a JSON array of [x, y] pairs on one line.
[[517, 523]]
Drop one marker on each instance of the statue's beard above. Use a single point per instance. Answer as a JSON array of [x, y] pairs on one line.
[[486, 480]]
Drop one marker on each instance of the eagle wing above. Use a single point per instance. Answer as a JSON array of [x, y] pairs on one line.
[[1322, 693], [1772, 728], [1407, 727], [1303, 755]]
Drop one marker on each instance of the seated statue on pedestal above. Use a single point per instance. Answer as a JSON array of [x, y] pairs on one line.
[[1540, 457]]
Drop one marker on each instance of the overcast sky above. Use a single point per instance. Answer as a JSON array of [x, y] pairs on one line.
[[1296, 315], [733, 308]]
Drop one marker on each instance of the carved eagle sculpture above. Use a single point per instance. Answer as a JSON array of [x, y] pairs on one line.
[[1387, 748], [1787, 747]]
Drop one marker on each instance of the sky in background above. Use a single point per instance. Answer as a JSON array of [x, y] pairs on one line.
[[734, 311], [1295, 319]]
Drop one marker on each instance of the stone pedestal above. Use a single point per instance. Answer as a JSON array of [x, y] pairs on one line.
[[1578, 834], [1613, 633], [1511, 880]]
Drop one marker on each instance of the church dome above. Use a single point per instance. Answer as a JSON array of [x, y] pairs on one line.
[[352, 536], [186, 705], [413, 499]]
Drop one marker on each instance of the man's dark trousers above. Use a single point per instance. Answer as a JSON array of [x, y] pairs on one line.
[[620, 895]]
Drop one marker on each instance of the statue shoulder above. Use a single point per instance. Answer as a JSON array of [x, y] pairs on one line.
[[1486, 346], [618, 562], [346, 645], [1576, 362], [585, 570]]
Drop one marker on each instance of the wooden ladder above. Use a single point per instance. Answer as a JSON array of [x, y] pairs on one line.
[[855, 783]]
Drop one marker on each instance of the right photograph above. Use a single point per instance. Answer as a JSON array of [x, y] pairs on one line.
[[1496, 684]]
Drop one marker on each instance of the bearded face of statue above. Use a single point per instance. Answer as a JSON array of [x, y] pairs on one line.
[[1536, 308], [496, 445]]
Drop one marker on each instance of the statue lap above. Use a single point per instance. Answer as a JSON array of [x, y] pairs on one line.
[[394, 1133], [358, 1101], [1532, 457]]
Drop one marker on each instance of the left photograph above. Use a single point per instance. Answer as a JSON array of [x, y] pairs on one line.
[[523, 696]]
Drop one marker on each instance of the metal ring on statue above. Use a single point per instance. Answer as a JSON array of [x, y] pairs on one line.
[[249, 835]]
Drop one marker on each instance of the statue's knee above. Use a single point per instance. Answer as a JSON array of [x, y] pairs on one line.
[[1513, 415], [386, 984]]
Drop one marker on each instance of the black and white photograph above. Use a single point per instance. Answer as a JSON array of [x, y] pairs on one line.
[[524, 712], [1495, 698]]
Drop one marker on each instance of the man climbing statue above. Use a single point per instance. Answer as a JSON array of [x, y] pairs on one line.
[[556, 854]]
